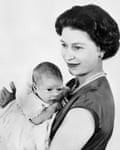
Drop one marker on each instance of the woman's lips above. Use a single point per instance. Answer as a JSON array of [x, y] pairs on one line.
[[73, 65]]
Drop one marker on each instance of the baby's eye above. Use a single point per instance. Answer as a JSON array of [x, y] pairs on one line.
[[59, 89], [49, 89]]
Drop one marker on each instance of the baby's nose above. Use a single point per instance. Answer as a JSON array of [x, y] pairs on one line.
[[55, 93]]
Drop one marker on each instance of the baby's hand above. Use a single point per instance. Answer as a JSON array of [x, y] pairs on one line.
[[7, 96], [62, 94], [46, 114]]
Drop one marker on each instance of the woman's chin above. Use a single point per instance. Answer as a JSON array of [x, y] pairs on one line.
[[76, 73], [73, 72]]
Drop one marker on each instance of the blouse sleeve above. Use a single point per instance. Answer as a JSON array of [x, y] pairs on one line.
[[75, 130]]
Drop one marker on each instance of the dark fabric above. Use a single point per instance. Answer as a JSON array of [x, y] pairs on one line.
[[98, 99]]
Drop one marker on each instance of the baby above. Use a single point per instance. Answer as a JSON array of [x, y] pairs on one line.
[[47, 87]]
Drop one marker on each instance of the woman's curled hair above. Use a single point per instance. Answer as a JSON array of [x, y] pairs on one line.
[[92, 19]]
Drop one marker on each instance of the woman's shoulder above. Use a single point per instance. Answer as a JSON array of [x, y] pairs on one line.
[[71, 82], [91, 93]]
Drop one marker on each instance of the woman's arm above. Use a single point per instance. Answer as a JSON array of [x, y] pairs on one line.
[[75, 130]]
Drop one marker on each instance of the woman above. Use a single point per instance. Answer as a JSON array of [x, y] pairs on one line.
[[89, 35]]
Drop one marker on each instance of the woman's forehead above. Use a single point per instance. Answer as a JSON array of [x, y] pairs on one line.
[[74, 35]]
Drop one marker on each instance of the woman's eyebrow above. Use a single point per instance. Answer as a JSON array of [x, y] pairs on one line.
[[74, 43], [62, 41], [78, 43]]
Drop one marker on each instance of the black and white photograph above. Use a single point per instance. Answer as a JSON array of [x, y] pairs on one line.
[[59, 75]]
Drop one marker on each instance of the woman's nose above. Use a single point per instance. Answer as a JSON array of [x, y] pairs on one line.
[[68, 55]]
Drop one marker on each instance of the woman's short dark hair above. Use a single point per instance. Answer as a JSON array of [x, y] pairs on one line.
[[100, 26]]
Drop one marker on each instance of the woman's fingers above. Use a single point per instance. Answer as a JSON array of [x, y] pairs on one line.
[[4, 97], [12, 86], [5, 92]]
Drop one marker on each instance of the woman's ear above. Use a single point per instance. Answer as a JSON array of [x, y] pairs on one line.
[[101, 55]]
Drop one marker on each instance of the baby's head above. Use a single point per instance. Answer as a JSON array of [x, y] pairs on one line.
[[47, 81]]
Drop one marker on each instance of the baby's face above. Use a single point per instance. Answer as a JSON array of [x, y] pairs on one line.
[[49, 89]]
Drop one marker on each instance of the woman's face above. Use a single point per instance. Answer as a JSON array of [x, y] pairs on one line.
[[80, 52]]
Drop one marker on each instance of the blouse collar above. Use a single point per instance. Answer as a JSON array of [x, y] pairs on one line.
[[89, 80]]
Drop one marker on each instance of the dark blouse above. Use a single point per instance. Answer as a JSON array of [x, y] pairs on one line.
[[98, 99]]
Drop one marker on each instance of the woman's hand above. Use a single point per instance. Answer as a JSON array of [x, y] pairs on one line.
[[63, 93], [7, 96]]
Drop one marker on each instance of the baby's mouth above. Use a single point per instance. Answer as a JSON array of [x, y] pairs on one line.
[[52, 101]]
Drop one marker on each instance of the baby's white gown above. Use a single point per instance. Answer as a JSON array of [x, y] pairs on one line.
[[16, 131]]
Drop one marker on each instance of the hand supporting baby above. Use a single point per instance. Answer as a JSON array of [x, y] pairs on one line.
[[6, 96]]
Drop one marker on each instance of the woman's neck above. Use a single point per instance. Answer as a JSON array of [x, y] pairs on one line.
[[91, 75]]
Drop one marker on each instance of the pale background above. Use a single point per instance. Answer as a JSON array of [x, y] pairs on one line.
[[27, 37]]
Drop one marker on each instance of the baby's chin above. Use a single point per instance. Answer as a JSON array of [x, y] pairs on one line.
[[52, 101]]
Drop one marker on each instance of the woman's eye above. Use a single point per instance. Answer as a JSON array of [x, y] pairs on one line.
[[77, 47], [64, 45]]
